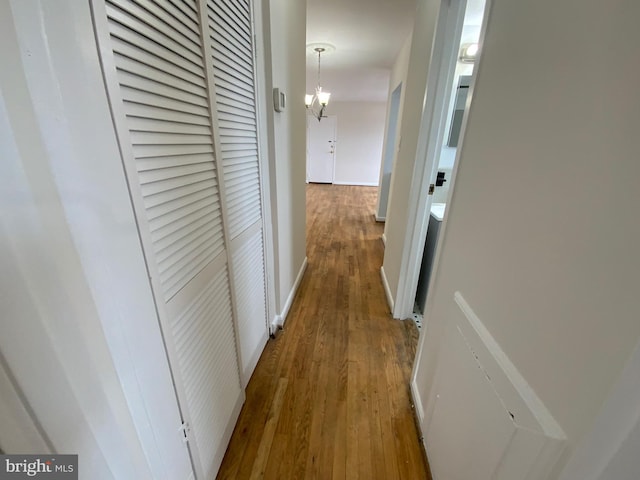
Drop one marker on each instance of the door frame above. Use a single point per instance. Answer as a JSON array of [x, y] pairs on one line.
[[430, 138], [443, 228]]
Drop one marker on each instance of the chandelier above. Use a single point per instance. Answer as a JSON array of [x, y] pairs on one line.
[[317, 102]]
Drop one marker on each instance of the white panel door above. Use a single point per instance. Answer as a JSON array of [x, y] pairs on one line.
[[321, 148], [232, 54], [157, 75]]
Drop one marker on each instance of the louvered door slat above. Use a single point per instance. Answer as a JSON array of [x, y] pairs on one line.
[[248, 216], [152, 74], [232, 20], [160, 89], [168, 34], [236, 82], [153, 163], [208, 185], [162, 138], [151, 12], [246, 173], [250, 197], [123, 40], [239, 137], [160, 126], [169, 12], [233, 49], [176, 204], [161, 114], [157, 67], [226, 58], [149, 97], [232, 107], [227, 115], [241, 165], [172, 250], [235, 125], [148, 151], [241, 9], [197, 220], [187, 9], [229, 90]]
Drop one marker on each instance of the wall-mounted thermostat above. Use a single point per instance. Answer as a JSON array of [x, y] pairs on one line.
[[279, 100]]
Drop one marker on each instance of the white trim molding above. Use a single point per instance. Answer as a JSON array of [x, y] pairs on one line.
[[279, 319], [357, 184], [416, 398], [385, 283]]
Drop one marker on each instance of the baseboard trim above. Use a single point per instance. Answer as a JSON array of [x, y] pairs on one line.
[[418, 419], [383, 237], [387, 290], [357, 184], [380, 219], [279, 320], [417, 405]]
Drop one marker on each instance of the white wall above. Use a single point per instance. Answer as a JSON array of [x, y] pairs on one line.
[[359, 141], [403, 170], [72, 274], [285, 33], [542, 233]]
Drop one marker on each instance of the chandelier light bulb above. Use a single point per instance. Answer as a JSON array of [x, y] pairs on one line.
[[323, 97], [317, 103]]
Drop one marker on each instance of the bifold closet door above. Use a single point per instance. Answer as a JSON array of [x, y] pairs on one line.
[[232, 50], [155, 68]]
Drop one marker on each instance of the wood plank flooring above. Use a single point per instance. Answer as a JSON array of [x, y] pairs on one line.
[[330, 398]]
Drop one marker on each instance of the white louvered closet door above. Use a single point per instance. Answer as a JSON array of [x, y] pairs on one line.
[[232, 49], [162, 105]]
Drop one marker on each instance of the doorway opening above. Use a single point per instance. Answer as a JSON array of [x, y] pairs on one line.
[[447, 144], [389, 154]]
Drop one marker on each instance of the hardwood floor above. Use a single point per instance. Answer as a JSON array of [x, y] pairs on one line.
[[329, 398]]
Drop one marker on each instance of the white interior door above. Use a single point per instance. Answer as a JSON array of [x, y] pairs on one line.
[[158, 76], [321, 148], [232, 48]]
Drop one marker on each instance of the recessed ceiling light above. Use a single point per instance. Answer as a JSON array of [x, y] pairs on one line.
[[468, 52]]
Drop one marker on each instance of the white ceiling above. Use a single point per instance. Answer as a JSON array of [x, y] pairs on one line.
[[367, 36]]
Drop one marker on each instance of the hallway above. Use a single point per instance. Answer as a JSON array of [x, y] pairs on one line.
[[329, 398]]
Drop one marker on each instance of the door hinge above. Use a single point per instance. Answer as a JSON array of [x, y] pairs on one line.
[[185, 429], [432, 188]]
